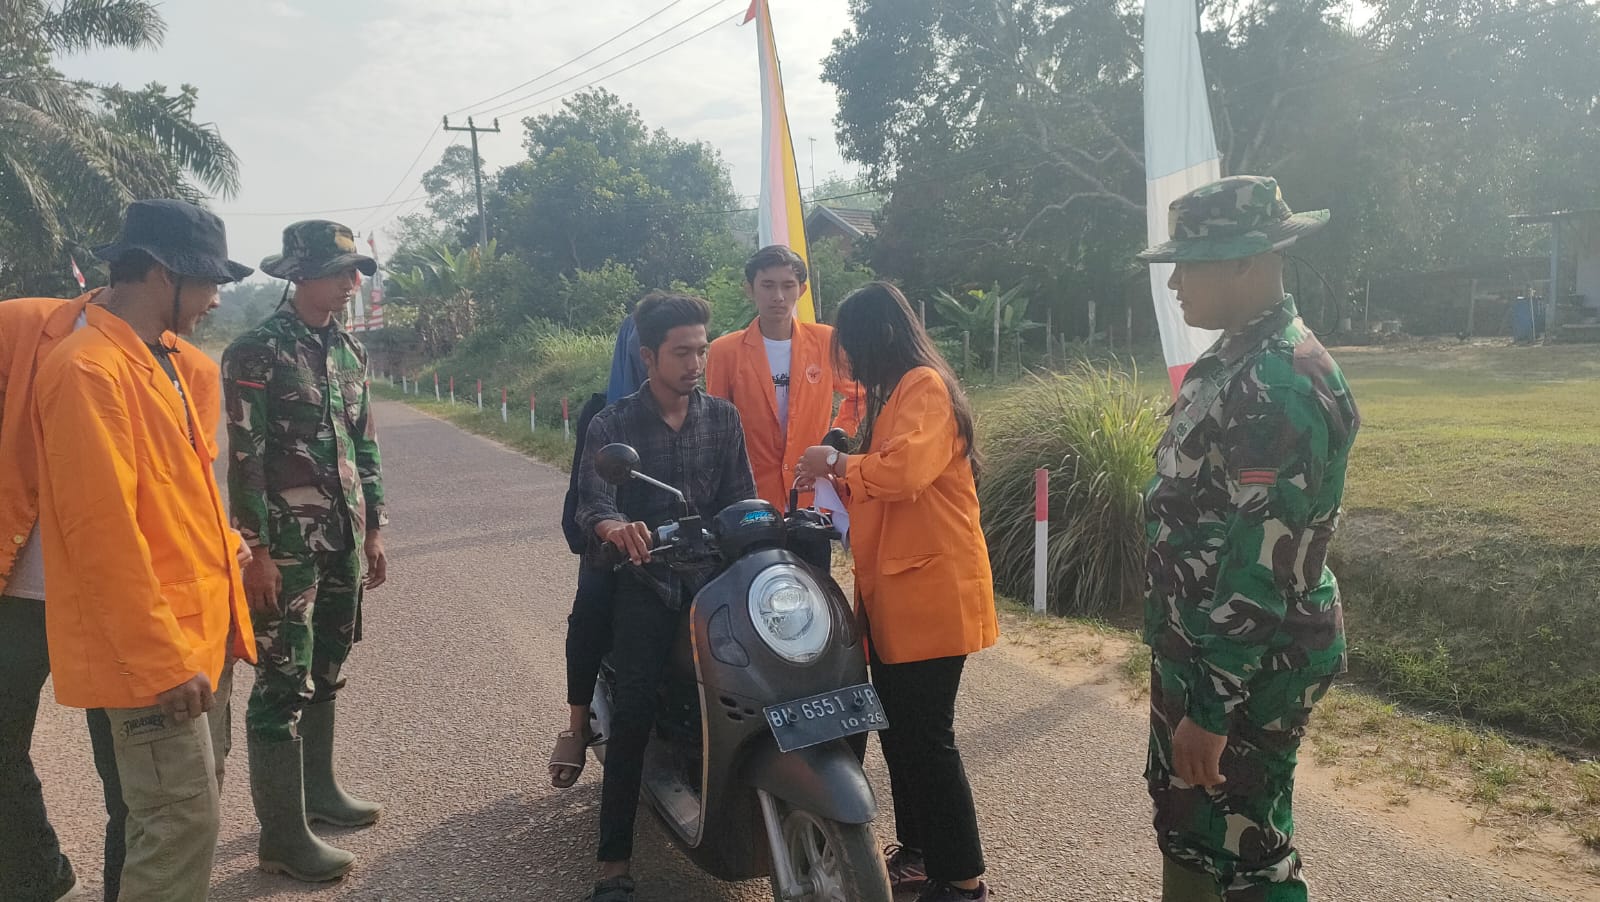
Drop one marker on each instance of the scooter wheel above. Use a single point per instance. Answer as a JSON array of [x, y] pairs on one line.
[[833, 862]]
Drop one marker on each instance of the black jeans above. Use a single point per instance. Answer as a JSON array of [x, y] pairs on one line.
[[933, 810], [643, 630], [588, 631], [31, 864]]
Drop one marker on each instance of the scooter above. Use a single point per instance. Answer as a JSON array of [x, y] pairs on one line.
[[751, 767]]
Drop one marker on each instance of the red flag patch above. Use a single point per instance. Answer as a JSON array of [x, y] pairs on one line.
[[1258, 477], [250, 384]]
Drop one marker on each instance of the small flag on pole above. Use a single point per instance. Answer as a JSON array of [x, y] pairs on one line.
[[78, 273]]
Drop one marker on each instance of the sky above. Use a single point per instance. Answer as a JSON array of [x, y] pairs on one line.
[[327, 104]]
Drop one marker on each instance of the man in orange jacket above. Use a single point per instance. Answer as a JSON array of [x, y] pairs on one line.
[[32, 864], [146, 602], [780, 374]]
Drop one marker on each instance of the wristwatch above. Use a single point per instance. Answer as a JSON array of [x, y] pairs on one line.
[[833, 460]]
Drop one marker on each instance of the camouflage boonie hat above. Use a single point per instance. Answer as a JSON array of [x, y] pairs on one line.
[[317, 248], [1237, 217]]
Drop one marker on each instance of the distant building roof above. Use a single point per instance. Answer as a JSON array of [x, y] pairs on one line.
[[855, 223]]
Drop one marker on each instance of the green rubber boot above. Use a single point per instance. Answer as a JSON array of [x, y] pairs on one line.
[[287, 844], [1179, 884], [325, 802]]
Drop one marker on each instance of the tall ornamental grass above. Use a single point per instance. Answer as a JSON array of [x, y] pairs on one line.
[[1095, 431]]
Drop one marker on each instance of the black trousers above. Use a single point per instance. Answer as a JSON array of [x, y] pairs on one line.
[[643, 630], [105, 761], [588, 631], [933, 810], [32, 866]]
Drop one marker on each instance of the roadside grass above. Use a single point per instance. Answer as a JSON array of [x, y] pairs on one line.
[[1530, 794], [547, 444]]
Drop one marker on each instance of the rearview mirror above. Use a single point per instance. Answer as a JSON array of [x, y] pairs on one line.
[[616, 462]]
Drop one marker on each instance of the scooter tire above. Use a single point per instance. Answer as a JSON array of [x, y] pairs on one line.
[[857, 872]]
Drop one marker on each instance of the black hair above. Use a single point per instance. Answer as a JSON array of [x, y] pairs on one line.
[[771, 256], [879, 340], [660, 312], [132, 266]]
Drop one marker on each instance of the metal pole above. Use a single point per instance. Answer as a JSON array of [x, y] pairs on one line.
[[1366, 312], [1049, 339], [1552, 315], [997, 340]]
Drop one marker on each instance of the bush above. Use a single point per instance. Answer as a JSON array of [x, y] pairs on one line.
[[1095, 431]]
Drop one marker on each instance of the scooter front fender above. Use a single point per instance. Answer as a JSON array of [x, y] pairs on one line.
[[825, 780]]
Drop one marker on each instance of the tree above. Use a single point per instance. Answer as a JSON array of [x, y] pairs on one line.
[[452, 196], [73, 154], [1010, 132], [599, 186], [438, 283]]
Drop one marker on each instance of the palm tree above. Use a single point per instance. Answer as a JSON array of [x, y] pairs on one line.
[[73, 154]]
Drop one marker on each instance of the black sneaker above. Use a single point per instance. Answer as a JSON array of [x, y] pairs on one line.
[[944, 892], [907, 871]]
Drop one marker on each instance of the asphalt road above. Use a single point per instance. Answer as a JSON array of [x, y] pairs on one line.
[[456, 693]]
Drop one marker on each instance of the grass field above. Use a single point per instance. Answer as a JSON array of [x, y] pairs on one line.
[[1471, 553]]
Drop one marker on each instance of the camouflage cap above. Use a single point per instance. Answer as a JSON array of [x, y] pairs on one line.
[[317, 248], [1237, 217]]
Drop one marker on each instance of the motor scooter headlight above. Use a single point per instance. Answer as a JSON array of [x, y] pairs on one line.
[[790, 613]]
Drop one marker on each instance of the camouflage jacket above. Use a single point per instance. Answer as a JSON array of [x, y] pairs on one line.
[[303, 467], [1246, 497]]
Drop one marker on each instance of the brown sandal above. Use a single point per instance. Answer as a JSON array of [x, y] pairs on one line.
[[571, 754]]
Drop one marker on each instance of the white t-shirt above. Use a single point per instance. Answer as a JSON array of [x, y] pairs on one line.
[[778, 357], [27, 573]]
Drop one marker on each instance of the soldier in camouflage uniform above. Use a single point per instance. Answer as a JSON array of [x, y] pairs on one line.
[[305, 485], [1242, 613]]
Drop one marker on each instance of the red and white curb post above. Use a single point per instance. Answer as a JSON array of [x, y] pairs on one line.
[[452, 390], [533, 412], [435, 386], [1041, 539], [505, 411], [566, 423], [480, 396]]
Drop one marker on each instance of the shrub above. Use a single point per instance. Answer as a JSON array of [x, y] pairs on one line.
[[1094, 431]]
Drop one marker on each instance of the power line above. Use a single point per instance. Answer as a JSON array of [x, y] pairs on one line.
[[548, 72], [437, 131], [419, 193], [499, 109]]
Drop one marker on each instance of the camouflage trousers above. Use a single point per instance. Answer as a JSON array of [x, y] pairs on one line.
[[1242, 832], [301, 651]]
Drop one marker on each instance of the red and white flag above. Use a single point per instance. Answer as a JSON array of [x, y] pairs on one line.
[[78, 273]]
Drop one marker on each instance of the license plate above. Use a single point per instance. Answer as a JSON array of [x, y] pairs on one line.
[[805, 722]]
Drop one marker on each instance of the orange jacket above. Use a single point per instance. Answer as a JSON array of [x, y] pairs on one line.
[[30, 328], [144, 587], [922, 566], [737, 369]]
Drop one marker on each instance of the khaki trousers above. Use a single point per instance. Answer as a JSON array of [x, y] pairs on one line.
[[171, 775]]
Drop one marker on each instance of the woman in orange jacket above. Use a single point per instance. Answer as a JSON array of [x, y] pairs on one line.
[[922, 577]]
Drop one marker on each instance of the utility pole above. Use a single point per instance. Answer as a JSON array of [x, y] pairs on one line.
[[477, 172]]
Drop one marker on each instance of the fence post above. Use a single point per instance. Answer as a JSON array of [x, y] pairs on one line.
[[403, 389], [505, 410], [566, 424], [452, 390], [966, 353], [533, 412], [1041, 539], [435, 386], [480, 396], [1049, 340]]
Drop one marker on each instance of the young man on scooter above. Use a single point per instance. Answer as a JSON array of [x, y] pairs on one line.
[[686, 439]]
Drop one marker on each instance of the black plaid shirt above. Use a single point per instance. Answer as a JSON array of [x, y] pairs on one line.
[[705, 459]]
